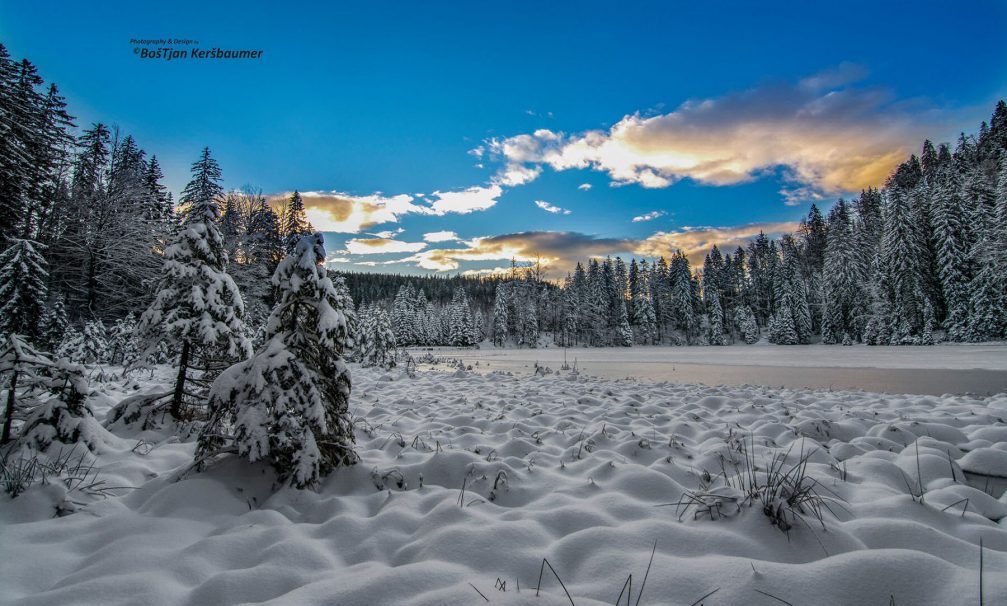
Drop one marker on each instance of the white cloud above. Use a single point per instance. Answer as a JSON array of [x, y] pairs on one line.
[[388, 233], [344, 213], [654, 214], [440, 236], [584, 186], [495, 271], [550, 208], [825, 135], [374, 246], [465, 201]]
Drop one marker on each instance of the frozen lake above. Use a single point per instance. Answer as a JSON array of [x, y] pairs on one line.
[[979, 369]]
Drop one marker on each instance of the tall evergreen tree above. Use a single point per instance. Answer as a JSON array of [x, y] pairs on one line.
[[289, 404], [197, 305], [23, 290]]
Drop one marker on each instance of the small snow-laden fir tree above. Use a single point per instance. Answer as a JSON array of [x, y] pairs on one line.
[[197, 307], [54, 323], [19, 365], [71, 346], [462, 325], [65, 415], [23, 291], [744, 318], [94, 346], [289, 404], [377, 347], [122, 345]]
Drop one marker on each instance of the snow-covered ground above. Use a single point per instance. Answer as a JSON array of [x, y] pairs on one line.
[[469, 480], [935, 370]]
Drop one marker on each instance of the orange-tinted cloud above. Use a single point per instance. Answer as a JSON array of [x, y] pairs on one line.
[[825, 135]]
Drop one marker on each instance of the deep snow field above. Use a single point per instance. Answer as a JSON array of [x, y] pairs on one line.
[[468, 480]]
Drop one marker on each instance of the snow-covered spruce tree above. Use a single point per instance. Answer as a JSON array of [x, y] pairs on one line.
[[623, 332], [295, 221], [122, 346], [53, 324], [23, 290], [844, 274], [501, 302], [716, 315], [94, 346], [988, 288], [953, 244], [65, 415], [462, 326], [747, 326], [377, 342], [20, 364], [197, 306], [289, 404]]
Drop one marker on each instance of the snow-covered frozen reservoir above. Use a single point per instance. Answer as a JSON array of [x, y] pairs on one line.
[[934, 370]]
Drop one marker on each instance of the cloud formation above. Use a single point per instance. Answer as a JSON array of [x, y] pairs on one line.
[[654, 214], [465, 201], [551, 208], [826, 135], [695, 242], [377, 246], [344, 213], [440, 236], [559, 251]]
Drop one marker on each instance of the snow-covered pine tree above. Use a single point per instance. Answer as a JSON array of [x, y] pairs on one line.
[[289, 404], [295, 221], [462, 332], [716, 317], [642, 318], [64, 416], [197, 306], [747, 326], [94, 347], [25, 365], [404, 316], [988, 288], [23, 290], [782, 330], [844, 275], [379, 348], [623, 332], [681, 301], [500, 315], [952, 246], [53, 324], [122, 345]]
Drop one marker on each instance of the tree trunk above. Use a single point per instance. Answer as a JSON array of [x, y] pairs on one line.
[[183, 365], [9, 414]]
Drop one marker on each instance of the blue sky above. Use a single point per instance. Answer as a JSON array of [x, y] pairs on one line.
[[459, 117]]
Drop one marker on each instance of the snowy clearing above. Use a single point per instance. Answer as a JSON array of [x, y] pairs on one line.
[[933, 370], [468, 481]]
